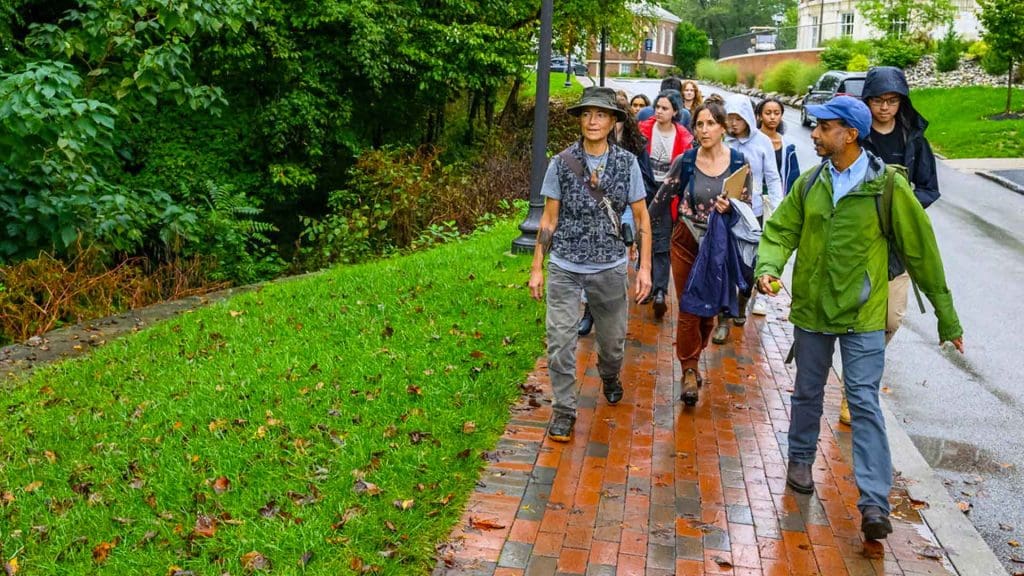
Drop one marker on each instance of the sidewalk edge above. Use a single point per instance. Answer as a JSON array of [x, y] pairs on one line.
[[964, 546], [1001, 181]]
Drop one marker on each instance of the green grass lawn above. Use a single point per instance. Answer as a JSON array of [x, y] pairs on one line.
[[326, 423], [959, 125], [558, 90]]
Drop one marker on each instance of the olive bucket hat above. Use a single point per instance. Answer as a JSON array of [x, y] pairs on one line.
[[598, 97]]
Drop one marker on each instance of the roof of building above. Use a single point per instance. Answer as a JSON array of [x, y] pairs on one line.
[[655, 11]]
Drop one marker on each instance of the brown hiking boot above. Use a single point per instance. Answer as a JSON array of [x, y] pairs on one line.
[[691, 382]]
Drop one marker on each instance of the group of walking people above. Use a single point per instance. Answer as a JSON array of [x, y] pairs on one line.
[[856, 223]]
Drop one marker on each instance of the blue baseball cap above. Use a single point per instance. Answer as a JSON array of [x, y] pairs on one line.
[[848, 109]]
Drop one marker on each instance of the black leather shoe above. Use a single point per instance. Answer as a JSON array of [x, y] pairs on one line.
[[874, 523], [659, 303], [586, 322], [612, 390], [561, 427], [799, 477], [691, 381]]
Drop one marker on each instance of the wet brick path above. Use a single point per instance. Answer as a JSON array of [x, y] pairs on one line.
[[650, 487]]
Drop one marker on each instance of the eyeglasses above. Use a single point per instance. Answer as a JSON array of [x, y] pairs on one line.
[[890, 101]]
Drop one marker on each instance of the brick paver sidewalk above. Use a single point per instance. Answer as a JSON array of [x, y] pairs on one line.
[[650, 487]]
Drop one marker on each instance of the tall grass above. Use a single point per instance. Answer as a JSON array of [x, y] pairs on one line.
[[790, 77], [708, 69]]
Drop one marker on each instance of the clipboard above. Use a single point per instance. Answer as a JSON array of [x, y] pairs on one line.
[[733, 186]]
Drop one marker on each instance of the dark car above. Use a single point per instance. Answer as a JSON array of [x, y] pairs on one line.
[[580, 69], [558, 64], [831, 84]]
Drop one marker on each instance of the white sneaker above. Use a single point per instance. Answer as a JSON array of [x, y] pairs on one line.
[[760, 307]]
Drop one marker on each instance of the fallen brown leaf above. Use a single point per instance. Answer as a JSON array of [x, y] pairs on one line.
[[933, 552], [404, 504], [206, 527], [468, 427], [722, 562], [1014, 543], [364, 487], [484, 523], [221, 485], [255, 562], [307, 556], [918, 504], [11, 567], [33, 486], [964, 507], [102, 551]]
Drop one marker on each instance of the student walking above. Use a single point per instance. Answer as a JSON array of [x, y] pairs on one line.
[[587, 188], [666, 141], [840, 292], [897, 137]]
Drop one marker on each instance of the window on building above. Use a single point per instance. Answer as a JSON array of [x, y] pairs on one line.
[[815, 32], [967, 5], [897, 26], [672, 41], [846, 24], [625, 69]]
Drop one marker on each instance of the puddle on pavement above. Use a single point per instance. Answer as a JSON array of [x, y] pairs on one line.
[[956, 456]]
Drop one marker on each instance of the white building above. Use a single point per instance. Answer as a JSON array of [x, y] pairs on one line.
[[821, 20]]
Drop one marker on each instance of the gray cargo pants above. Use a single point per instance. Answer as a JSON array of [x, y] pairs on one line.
[[606, 293]]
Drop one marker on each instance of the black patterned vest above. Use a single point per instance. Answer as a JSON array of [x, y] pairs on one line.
[[585, 233]]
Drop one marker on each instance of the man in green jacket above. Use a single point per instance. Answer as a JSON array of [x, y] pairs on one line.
[[840, 293]]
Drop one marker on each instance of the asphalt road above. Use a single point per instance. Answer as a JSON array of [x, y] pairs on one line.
[[964, 413]]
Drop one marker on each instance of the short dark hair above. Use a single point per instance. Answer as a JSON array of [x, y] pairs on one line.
[[673, 98], [715, 108], [671, 83]]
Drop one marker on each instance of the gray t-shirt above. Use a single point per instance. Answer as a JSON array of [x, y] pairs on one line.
[[550, 189]]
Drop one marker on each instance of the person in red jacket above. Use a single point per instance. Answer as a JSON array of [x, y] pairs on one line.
[[666, 140]]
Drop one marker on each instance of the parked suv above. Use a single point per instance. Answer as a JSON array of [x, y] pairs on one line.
[[831, 84]]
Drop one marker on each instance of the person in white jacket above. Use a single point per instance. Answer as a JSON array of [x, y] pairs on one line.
[[757, 148]]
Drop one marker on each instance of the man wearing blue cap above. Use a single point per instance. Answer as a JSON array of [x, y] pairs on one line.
[[840, 293]]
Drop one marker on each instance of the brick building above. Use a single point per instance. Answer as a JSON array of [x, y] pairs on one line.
[[660, 28]]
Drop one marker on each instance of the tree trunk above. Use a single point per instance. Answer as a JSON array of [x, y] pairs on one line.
[[489, 107], [512, 102], [474, 111]]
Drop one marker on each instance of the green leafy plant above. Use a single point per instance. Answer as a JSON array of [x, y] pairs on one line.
[[948, 57], [790, 77], [708, 69], [858, 63], [691, 46], [1004, 32], [836, 57], [898, 53]]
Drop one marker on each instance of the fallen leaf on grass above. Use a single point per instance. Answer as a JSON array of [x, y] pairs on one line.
[[484, 523], [6, 498], [33, 486], [206, 527], [11, 567], [305, 559], [221, 485], [468, 427], [254, 561], [236, 313], [404, 504], [102, 551], [364, 487], [270, 509]]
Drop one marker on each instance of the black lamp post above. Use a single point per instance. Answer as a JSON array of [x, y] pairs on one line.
[[526, 241]]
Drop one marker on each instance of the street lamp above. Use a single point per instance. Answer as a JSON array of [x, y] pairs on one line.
[[568, 69], [526, 241], [710, 42]]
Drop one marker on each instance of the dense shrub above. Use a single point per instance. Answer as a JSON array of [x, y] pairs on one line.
[[994, 63], [836, 57], [809, 77], [977, 50], [948, 57], [789, 77], [859, 63], [708, 69], [691, 45], [898, 53]]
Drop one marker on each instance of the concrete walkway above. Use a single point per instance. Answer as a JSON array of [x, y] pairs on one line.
[[649, 487]]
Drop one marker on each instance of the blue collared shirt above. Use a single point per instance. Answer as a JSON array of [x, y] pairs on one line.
[[843, 182]]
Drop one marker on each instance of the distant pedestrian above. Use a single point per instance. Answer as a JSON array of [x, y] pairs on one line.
[[638, 103], [897, 137], [769, 119], [671, 87], [587, 188], [666, 141], [757, 149], [691, 95], [840, 291]]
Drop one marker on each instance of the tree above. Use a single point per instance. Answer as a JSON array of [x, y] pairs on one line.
[[691, 45], [896, 18], [722, 19], [1004, 32]]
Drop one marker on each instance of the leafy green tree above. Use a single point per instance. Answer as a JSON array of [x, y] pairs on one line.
[[896, 18], [948, 57], [1004, 32], [691, 46], [722, 19]]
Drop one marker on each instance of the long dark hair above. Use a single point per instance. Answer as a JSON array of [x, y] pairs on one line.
[[631, 138], [714, 107]]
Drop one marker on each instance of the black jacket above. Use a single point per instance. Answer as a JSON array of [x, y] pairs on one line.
[[917, 154]]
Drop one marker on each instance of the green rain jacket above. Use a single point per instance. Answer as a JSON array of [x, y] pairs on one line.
[[840, 279]]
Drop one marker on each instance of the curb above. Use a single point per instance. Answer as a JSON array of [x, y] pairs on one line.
[[1004, 182], [956, 534]]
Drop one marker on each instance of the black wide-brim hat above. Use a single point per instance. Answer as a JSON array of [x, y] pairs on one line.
[[598, 97]]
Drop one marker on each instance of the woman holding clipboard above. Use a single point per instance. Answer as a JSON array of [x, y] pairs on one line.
[[698, 177]]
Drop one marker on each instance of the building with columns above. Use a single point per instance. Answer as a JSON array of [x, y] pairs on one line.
[[660, 27]]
